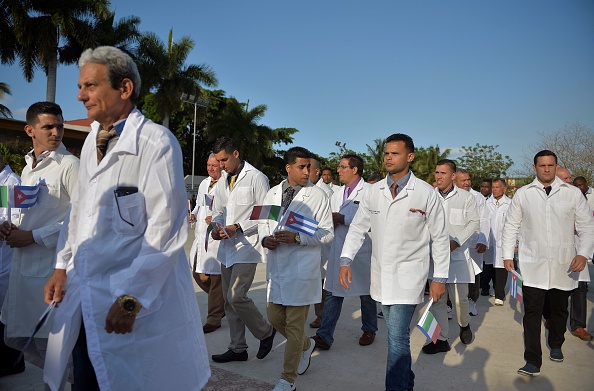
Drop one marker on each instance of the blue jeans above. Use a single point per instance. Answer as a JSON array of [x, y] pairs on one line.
[[332, 309], [399, 374]]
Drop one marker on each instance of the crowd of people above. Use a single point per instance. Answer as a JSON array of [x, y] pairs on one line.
[[105, 240]]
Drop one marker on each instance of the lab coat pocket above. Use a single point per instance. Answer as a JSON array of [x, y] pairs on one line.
[[456, 216], [308, 265], [129, 214], [410, 275], [528, 253], [566, 253], [49, 195], [414, 224], [244, 196], [37, 263], [156, 306]]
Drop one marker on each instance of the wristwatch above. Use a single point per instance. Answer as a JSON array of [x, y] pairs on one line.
[[129, 305], [297, 239]]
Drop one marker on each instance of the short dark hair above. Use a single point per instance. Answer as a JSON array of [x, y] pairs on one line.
[[447, 162], [39, 108], [488, 180], [294, 153], [545, 152], [374, 177], [327, 169], [462, 171], [226, 144], [354, 161], [580, 178], [499, 180], [406, 139]]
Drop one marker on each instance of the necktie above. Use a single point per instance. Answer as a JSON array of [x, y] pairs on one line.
[[232, 182], [288, 197], [347, 193], [103, 138], [394, 189], [497, 203], [548, 189]]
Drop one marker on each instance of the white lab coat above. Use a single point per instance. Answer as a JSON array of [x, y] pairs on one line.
[[401, 231], [545, 226], [7, 178], [325, 247], [463, 222], [292, 270], [493, 255], [33, 265], [236, 206], [207, 262], [482, 235], [590, 197], [106, 257], [361, 267]]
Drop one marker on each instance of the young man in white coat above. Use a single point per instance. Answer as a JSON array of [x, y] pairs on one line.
[[206, 268], [240, 189], [405, 216], [543, 215], [8, 355], [128, 314], [479, 242], [293, 261], [463, 222], [34, 235], [497, 206], [345, 203]]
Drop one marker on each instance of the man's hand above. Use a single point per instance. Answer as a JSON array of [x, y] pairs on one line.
[[270, 242], [508, 264], [436, 290], [481, 248], [337, 218], [18, 238], [118, 321], [578, 263], [287, 237], [54, 290], [208, 219], [5, 228], [345, 275], [192, 218], [453, 245], [215, 234], [227, 230]]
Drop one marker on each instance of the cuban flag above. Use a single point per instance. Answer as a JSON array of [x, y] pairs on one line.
[[428, 324], [18, 196], [515, 289], [301, 223]]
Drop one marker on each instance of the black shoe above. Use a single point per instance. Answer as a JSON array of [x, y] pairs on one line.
[[229, 356], [484, 293], [466, 335], [266, 345], [438, 347], [529, 370], [556, 355]]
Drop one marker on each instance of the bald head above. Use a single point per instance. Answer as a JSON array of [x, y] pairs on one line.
[[563, 174], [314, 170]]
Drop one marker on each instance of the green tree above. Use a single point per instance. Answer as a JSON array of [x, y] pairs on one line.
[[426, 160], [38, 32], [166, 75], [483, 161], [375, 165], [4, 111]]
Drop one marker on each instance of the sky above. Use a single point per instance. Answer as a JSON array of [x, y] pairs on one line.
[[448, 73]]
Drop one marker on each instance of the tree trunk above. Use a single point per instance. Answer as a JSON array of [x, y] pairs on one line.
[[166, 119], [52, 70]]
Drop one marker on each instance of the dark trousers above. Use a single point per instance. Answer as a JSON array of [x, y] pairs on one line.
[[578, 308], [474, 290], [533, 304], [8, 355], [500, 281], [487, 276], [84, 373]]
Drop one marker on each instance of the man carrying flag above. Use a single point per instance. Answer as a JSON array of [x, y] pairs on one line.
[[34, 234], [293, 260]]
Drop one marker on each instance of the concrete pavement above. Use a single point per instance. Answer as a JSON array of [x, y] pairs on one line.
[[489, 363]]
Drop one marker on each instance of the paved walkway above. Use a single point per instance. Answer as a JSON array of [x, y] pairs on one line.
[[489, 363]]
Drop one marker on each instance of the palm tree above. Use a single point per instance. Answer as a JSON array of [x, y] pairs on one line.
[[426, 160], [165, 74], [4, 111], [41, 27], [375, 164]]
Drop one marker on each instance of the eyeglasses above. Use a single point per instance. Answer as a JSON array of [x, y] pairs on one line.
[[343, 167]]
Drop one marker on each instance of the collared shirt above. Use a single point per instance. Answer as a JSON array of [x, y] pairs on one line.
[[297, 187], [348, 189], [401, 183], [444, 194], [38, 159], [119, 128], [236, 174]]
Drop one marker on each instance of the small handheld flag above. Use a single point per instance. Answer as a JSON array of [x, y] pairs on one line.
[[428, 324], [515, 290], [18, 196], [301, 223], [209, 229], [266, 212], [209, 201]]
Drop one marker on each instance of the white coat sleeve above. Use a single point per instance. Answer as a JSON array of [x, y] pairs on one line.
[[485, 226], [472, 221], [358, 228], [325, 231], [584, 226], [440, 240], [261, 186], [511, 227]]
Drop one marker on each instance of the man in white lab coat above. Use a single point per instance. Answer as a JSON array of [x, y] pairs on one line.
[[8, 355], [34, 235], [128, 311], [206, 268], [345, 203], [292, 261], [463, 222], [543, 214], [240, 189], [405, 216]]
